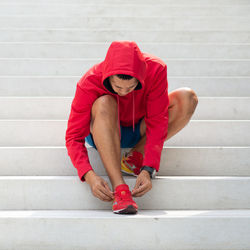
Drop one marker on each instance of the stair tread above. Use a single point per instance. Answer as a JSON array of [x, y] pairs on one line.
[[143, 213]]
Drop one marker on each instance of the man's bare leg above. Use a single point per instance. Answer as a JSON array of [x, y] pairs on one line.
[[182, 104], [105, 131]]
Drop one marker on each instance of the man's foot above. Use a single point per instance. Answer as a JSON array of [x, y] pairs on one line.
[[132, 163], [123, 202]]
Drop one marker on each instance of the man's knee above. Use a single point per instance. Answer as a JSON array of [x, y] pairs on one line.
[[105, 106], [188, 100]]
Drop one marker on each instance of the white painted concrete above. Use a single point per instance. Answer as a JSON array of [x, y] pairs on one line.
[[242, 3], [132, 9], [194, 23], [52, 133], [65, 85], [165, 229], [168, 192], [106, 35], [97, 50], [68, 67], [175, 161], [208, 108]]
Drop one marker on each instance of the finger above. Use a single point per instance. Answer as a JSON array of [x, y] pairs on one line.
[[148, 186], [137, 184], [139, 194], [108, 191], [105, 190], [102, 195], [135, 190], [107, 197], [140, 189]]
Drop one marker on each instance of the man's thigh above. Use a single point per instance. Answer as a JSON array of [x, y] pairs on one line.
[[174, 97]]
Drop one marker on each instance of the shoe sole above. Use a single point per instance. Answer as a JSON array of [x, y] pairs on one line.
[[126, 170], [128, 210]]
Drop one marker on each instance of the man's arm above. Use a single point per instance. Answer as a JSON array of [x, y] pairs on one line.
[[156, 119], [78, 128]]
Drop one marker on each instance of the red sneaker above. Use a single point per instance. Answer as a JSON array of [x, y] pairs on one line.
[[131, 164], [123, 202]]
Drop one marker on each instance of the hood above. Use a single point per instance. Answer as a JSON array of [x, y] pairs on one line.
[[124, 57]]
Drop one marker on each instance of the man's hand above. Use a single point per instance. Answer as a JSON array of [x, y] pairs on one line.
[[143, 184], [99, 187]]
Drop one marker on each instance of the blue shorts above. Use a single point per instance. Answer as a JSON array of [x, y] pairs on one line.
[[128, 138]]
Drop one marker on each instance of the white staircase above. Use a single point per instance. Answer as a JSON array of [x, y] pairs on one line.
[[201, 196]]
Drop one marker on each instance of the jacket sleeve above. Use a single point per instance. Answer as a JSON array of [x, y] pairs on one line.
[[156, 119], [78, 128]]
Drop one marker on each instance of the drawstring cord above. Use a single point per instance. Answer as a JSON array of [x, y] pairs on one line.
[[118, 116], [133, 113]]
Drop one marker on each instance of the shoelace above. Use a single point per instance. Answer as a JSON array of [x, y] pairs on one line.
[[123, 195]]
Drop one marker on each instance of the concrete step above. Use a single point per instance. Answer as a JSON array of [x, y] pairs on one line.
[[194, 23], [109, 10], [178, 192], [175, 161], [52, 133], [95, 50], [92, 229], [106, 35], [151, 2], [65, 85], [77, 66], [209, 108]]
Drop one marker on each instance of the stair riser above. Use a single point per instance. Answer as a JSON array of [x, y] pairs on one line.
[[65, 86], [233, 23], [41, 108], [76, 50], [69, 193], [74, 67], [52, 133], [96, 233], [163, 10], [242, 3], [49, 161], [83, 35]]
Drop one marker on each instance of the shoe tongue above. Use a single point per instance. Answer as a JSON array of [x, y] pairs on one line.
[[123, 192], [123, 188]]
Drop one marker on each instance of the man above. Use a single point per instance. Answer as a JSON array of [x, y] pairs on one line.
[[123, 101]]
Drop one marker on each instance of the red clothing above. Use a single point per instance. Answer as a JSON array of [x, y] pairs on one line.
[[149, 99]]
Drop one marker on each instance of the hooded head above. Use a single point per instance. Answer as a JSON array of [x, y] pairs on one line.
[[124, 57]]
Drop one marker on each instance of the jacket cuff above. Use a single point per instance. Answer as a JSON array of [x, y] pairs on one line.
[[83, 171]]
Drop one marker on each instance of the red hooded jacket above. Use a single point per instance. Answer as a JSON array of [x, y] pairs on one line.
[[149, 99]]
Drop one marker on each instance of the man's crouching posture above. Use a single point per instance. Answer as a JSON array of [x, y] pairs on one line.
[[123, 102]]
